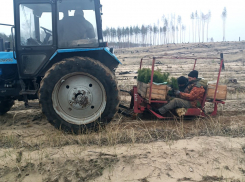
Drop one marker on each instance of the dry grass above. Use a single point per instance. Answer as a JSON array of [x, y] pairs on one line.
[[29, 145], [34, 152], [120, 132]]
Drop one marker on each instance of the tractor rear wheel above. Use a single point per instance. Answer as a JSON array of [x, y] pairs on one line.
[[5, 105], [79, 93]]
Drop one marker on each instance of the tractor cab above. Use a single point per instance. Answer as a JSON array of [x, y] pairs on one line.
[[43, 26], [76, 24]]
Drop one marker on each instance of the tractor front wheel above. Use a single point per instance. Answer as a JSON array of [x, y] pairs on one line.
[[5, 105], [78, 93]]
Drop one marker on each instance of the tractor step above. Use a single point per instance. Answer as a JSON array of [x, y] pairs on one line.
[[28, 92], [159, 116]]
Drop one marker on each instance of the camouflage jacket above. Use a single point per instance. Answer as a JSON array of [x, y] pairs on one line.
[[194, 93]]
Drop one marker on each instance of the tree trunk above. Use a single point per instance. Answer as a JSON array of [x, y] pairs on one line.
[[207, 31]]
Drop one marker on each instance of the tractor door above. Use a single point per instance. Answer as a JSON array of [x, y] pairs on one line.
[[34, 35]]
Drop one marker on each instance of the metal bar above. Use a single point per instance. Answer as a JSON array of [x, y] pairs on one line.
[[152, 74], [187, 58], [157, 115], [125, 91], [136, 97], [193, 58], [214, 113], [124, 107], [159, 101], [204, 99], [221, 63], [193, 112], [141, 63], [37, 27], [13, 39], [1, 45], [6, 25], [217, 101], [195, 64], [146, 58]]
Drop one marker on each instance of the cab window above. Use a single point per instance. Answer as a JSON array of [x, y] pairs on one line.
[[77, 24], [36, 24]]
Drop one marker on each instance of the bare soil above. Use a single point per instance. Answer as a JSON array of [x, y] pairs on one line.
[[141, 148]]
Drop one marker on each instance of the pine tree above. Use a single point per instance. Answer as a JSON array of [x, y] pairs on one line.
[[224, 15]]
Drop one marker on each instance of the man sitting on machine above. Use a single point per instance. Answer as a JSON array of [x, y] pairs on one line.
[[192, 96], [183, 83]]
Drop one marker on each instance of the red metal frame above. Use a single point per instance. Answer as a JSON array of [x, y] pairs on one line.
[[195, 64], [140, 104]]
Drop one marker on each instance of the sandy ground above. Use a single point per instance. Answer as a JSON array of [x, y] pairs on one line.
[[196, 159], [141, 149], [184, 160], [234, 58]]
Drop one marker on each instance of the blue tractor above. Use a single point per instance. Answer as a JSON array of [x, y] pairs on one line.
[[60, 58]]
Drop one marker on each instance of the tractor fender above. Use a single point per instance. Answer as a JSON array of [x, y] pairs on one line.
[[106, 49], [101, 54]]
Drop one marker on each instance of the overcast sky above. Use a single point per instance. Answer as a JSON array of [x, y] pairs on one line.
[[137, 12]]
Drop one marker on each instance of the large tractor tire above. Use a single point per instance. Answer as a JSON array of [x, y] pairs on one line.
[[5, 105], [79, 93]]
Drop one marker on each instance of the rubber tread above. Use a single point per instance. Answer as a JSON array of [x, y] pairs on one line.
[[79, 64], [5, 105]]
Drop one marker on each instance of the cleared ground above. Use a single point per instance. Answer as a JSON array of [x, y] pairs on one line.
[[142, 148]]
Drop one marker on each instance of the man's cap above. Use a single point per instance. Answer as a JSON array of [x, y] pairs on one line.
[[193, 74], [182, 80]]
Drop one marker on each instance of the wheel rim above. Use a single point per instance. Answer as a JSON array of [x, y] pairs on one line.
[[79, 98]]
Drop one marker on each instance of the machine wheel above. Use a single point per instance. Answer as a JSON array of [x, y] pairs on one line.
[[5, 105], [78, 93]]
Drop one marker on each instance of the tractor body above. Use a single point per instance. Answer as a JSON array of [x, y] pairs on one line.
[[58, 49]]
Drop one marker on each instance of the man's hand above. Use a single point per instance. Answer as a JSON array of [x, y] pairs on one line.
[[176, 92]]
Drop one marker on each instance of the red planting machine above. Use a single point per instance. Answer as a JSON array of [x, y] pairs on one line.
[[141, 104]]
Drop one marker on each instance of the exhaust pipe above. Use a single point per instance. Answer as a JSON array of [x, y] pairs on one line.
[[7, 46], [1, 45]]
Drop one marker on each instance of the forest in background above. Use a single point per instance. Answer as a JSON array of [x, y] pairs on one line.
[[170, 29]]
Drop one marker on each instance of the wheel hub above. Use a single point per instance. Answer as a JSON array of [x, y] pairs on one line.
[[80, 98]]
